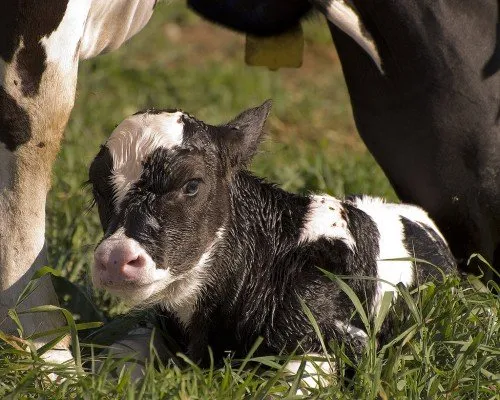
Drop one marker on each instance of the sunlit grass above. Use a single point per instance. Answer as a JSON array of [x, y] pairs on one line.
[[446, 344]]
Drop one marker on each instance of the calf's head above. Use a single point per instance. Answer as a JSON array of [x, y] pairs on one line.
[[162, 187]]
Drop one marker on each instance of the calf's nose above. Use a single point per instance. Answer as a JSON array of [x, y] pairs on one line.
[[120, 259]]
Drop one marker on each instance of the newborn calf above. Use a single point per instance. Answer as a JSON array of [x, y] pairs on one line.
[[226, 257]]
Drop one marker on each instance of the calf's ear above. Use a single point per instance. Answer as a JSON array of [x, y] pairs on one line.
[[246, 133]]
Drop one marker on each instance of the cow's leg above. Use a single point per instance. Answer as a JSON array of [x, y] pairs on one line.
[[38, 77], [41, 44], [22, 206]]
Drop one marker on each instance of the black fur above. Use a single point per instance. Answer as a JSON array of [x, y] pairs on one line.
[[423, 241], [260, 272], [15, 125], [257, 17], [99, 176]]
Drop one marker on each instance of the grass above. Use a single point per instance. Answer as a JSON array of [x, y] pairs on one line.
[[447, 342]]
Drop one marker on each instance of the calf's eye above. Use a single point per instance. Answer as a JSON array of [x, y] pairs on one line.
[[191, 187]]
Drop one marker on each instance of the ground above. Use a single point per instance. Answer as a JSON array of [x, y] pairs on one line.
[[448, 343]]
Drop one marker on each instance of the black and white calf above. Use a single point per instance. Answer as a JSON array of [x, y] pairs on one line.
[[225, 256]]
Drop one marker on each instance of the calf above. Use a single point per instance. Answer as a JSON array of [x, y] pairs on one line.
[[226, 257]]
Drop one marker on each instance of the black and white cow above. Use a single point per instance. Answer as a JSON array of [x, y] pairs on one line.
[[431, 118], [227, 257]]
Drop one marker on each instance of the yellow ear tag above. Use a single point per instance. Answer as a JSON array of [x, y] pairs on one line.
[[282, 51]]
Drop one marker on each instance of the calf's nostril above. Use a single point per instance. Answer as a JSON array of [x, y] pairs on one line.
[[138, 262]]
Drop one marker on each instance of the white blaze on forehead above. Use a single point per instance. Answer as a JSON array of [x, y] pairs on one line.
[[134, 140]]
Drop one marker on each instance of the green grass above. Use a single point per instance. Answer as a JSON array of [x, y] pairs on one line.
[[447, 344]]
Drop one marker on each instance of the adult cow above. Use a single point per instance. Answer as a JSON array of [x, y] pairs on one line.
[[431, 119]]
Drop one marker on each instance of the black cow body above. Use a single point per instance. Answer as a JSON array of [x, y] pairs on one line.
[[432, 122], [432, 119]]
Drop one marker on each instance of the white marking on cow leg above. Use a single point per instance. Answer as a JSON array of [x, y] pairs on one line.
[[66, 37], [136, 138], [318, 372], [391, 246], [324, 219], [345, 17]]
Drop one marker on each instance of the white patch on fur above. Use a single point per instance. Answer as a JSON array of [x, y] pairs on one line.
[[324, 219], [391, 246], [345, 17], [66, 37], [417, 214], [136, 138], [111, 23], [318, 369]]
